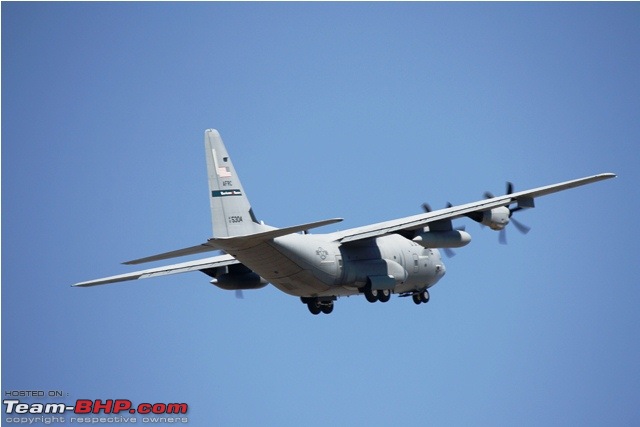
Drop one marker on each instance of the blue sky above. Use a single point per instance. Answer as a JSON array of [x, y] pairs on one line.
[[361, 111]]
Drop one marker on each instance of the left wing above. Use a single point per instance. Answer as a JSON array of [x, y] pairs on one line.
[[418, 221], [200, 264]]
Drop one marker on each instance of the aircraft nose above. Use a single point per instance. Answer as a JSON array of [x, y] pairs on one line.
[[441, 269]]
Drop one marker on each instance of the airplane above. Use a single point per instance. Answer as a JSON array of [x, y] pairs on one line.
[[399, 256]]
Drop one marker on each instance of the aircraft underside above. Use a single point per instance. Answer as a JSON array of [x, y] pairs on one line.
[[319, 271]]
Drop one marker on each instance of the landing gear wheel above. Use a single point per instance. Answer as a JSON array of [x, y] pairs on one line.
[[313, 307], [421, 297], [326, 308], [424, 297], [371, 295], [417, 299], [384, 295]]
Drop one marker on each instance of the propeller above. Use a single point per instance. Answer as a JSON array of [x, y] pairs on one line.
[[427, 208], [524, 229], [239, 294]]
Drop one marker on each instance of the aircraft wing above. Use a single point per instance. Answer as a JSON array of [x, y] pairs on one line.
[[418, 221], [200, 264]]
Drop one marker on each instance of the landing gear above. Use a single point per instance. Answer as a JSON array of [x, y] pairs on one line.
[[317, 306], [421, 297], [375, 295], [327, 308], [314, 308], [371, 295]]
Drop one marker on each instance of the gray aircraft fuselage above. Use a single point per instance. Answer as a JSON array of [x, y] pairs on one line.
[[305, 265]]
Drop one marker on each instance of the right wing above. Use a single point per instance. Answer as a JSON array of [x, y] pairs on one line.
[[200, 264]]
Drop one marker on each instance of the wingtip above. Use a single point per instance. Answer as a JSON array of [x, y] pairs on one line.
[[606, 175], [80, 285]]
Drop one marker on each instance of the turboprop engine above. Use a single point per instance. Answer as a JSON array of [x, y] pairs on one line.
[[443, 239], [496, 218]]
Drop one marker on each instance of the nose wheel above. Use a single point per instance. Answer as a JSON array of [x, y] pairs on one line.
[[421, 297]]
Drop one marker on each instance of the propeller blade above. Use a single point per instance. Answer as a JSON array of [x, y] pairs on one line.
[[520, 226], [426, 207], [488, 195], [509, 187], [502, 237], [239, 294], [450, 253]]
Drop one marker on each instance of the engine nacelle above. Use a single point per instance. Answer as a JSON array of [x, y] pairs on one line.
[[239, 281], [496, 218], [443, 239]]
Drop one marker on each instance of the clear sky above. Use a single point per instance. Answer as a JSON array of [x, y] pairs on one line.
[[362, 111]]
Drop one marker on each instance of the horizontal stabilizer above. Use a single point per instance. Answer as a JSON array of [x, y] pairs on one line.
[[205, 247], [235, 242], [242, 242]]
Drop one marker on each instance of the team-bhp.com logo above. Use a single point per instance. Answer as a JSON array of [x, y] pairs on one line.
[[87, 411]]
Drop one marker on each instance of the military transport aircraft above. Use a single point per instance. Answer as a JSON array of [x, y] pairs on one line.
[[393, 257]]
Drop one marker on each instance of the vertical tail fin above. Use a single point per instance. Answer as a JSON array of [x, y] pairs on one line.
[[231, 213]]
